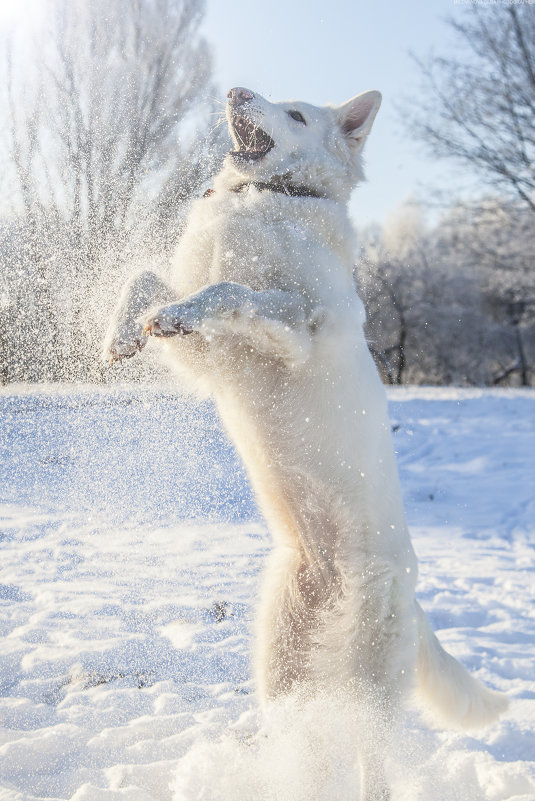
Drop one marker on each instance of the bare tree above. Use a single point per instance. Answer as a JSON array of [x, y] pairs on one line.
[[477, 107], [103, 152], [116, 82], [387, 325]]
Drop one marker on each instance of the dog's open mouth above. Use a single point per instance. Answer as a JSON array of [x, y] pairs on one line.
[[253, 143]]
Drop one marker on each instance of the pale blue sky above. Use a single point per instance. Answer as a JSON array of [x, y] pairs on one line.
[[326, 51]]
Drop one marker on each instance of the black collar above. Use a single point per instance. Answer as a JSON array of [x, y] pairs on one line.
[[281, 185]]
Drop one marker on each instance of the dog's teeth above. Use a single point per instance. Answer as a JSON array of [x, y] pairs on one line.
[[251, 140]]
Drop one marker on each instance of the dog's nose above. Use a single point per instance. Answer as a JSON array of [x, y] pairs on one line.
[[238, 96]]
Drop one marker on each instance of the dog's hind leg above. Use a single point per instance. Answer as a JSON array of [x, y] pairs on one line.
[[373, 784], [384, 664], [376, 721], [285, 620], [125, 335], [287, 662], [376, 645]]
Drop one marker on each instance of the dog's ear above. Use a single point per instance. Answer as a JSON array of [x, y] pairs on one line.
[[357, 115]]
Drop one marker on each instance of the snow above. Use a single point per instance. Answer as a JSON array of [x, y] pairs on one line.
[[131, 552]]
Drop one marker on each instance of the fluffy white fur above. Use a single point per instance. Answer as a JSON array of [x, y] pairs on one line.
[[268, 322]]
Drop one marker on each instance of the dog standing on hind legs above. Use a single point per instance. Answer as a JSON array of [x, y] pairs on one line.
[[260, 311]]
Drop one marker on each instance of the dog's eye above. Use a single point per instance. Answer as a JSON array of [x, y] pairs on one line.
[[297, 116]]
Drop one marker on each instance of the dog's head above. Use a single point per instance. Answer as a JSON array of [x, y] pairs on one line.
[[312, 147]]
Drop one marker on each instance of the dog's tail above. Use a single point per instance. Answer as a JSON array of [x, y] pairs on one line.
[[454, 698]]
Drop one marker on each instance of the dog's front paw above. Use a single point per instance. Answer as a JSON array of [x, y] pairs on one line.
[[123, 342], [202, 312], [169, 321]]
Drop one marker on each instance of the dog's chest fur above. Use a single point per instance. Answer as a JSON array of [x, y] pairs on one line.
[[268, 240]]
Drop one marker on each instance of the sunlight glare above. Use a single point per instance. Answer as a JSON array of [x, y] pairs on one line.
[[17, 12]]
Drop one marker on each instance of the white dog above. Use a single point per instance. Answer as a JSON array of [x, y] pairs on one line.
[[261, 310]]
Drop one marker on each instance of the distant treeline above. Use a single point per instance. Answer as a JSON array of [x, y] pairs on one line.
[[453, 303]]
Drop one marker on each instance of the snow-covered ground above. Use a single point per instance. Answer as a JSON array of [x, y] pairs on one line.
[[130, 556]]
